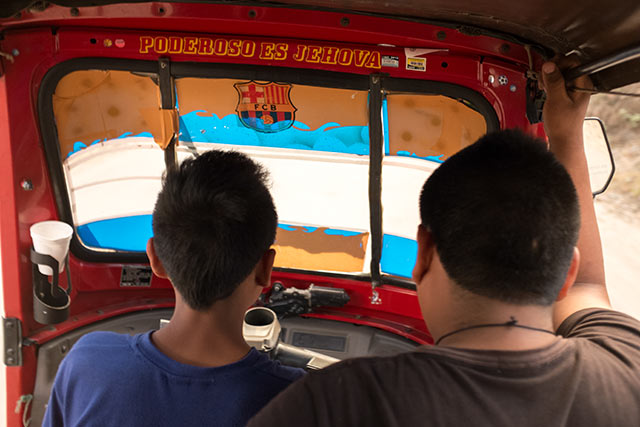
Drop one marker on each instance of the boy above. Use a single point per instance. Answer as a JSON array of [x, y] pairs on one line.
[[213, 224]]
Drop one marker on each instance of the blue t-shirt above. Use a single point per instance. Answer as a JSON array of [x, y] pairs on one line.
[[111, 379]]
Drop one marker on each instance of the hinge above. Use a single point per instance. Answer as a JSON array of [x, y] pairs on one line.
[[12, 341]]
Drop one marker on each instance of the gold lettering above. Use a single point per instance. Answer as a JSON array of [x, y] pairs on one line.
[[248, 48], [313, 54], [266, 50], [190, 45], [175, 44], [145, 43], [299, 56], [205, 46], [373, 61], [329, 55], [345, 56], [162, 44], [360, 57], [281, 51], [234, 47], [220, 47]]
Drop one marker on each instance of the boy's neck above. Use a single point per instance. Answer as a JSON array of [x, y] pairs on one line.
[[466, 323], [203, 338]]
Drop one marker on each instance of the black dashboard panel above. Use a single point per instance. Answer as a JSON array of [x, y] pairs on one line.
[[342, 340]]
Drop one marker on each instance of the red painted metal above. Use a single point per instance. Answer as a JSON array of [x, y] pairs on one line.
[[272, 22], [43, 40]]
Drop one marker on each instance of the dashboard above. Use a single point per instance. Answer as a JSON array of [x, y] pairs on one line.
[[332, 338]]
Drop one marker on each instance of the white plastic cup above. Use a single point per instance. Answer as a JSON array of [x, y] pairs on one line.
[[51, 238]]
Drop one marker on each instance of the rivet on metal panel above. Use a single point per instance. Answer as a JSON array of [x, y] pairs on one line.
[[15, 52], [503, 80], [505, 48], [491, 78], [441, 35], [74, 11], [512, 88], [26, 184], [253, 13], [345, 22]]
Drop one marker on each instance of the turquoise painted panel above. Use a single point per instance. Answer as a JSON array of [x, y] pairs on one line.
[[123, 234], [398, 255]]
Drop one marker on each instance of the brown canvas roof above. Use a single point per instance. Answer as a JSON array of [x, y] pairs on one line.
[[594, 28]]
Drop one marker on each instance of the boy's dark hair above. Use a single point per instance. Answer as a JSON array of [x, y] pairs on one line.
[[504, 216], [212, 222]]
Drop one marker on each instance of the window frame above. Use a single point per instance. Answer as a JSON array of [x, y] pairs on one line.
[[374, 84]]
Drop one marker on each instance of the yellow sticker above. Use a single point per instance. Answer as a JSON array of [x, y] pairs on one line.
[[416, 64]]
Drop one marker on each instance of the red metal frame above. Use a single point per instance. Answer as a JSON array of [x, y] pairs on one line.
[[39, 41]]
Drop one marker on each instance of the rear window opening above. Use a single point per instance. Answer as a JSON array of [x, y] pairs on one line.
[[312, 136]]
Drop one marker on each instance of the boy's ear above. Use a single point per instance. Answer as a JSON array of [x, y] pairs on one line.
[[571, 275], [156, 264], [426, 249], [264, 267]]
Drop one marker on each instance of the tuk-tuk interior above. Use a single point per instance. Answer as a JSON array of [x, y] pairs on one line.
[[349, 113]]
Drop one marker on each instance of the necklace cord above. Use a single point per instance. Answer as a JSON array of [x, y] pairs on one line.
[[513, 322]]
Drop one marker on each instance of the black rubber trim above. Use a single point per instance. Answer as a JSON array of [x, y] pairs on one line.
[[165, 82], [329, 79], [52, 148], [167, 102], [466, 96], [376, 147]]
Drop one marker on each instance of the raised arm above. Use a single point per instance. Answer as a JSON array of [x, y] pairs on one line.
[[563, 116]]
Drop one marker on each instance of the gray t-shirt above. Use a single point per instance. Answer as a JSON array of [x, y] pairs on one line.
[[590, 378]]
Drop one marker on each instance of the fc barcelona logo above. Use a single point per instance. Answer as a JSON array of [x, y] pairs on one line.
[[265, 107]]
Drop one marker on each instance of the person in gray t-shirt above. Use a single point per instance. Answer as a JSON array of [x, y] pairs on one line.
[[510, 279]]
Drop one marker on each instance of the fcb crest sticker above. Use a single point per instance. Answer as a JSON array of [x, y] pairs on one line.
[[265, 107]]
